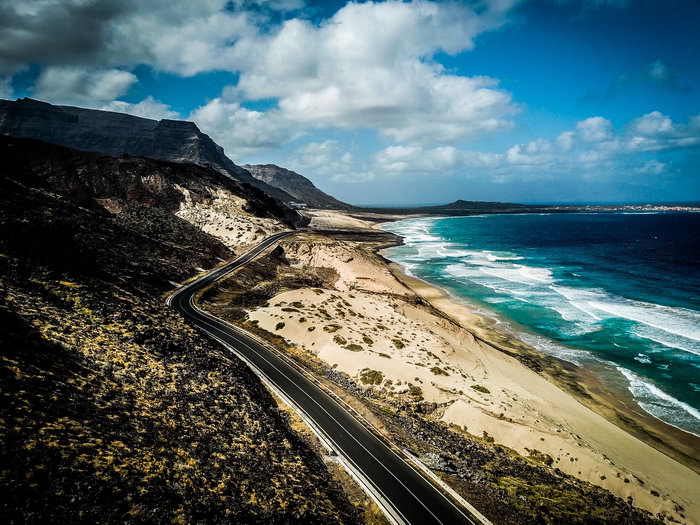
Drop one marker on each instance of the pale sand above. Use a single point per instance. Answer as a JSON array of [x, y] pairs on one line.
[[403, 341], [346, 220], [225, 219]]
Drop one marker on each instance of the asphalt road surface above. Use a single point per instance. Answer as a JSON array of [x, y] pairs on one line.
[[404, 494]]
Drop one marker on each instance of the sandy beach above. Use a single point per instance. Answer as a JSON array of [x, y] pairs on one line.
[[406, 339]]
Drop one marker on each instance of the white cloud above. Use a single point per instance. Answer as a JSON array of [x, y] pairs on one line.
[[240, 130], [594, 129], [566, 140], [329, 160], [175, 36], [659, 71], [82, 86], [593, 150], [653, 167], [359, 69], [147, 108], [536, 152], [444, 160], [370, 65], [653, 124], [5, 87]]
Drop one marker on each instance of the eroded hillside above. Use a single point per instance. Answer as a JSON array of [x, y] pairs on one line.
[[112, 408]]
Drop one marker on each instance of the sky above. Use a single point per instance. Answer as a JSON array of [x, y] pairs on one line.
[[390, 103]]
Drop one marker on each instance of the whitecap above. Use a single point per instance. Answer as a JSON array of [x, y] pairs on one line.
[[662, 405], [676, 321]]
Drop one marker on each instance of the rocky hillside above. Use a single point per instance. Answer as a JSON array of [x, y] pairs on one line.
[[112, 408], [118, 134], [298, 186], [233, 212]]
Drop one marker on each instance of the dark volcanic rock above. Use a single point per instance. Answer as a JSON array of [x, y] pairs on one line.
[[85, 178], [118, 134], [113, 409], [298, 186]]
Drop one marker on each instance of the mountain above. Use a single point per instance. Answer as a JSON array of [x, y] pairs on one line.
[[296, 185], [479, 206], [117, 134], [234, 212], [462, 207], [113, 409]]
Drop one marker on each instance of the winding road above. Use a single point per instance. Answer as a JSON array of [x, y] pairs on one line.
[[402, 492]]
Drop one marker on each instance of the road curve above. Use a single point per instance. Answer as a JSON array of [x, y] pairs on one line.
[[403, 493]]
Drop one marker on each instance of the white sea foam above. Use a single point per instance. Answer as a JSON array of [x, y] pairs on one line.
[[677, 321], [520, 273], [577, 299], [585, 309], [493, 257], [549, 347], [666, 339], [662, 405]]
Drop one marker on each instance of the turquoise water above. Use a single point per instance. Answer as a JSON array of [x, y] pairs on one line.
[[620, 289]]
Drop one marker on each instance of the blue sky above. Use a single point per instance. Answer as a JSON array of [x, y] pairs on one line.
[[395, 102]]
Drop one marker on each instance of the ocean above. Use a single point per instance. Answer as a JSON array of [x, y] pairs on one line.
[[617, 290]]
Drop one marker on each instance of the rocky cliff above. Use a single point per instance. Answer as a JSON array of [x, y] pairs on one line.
[[296, 185], [112, 408], [93, 179], [118, 134]]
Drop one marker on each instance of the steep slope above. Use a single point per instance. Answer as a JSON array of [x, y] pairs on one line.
[[118, 134], [112, 408], [298, 186], [232, 211]]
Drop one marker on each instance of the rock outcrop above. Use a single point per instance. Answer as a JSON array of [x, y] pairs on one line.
[[298, 186]]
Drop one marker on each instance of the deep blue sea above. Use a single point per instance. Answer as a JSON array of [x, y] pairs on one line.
[[618, 289]]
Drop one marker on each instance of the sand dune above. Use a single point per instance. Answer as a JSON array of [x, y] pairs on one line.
[[376, 329]]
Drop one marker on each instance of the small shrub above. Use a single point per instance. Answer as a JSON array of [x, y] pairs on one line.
[[371, 377], [415, 392], [398, 343], [481, 389], [382, 354], [354, 347], [279, 326], [339, 340], [330, 328], [438, 371], [367, 339], [542, 457], [311, 328]]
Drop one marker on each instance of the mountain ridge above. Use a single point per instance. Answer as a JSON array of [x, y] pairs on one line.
[[117, 134], [298, 186]]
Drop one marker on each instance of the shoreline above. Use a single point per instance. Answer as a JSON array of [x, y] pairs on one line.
[[340, 302], [616, 405], [586, 386]]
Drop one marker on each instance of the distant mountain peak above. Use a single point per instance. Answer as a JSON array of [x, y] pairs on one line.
[[302, 189]]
